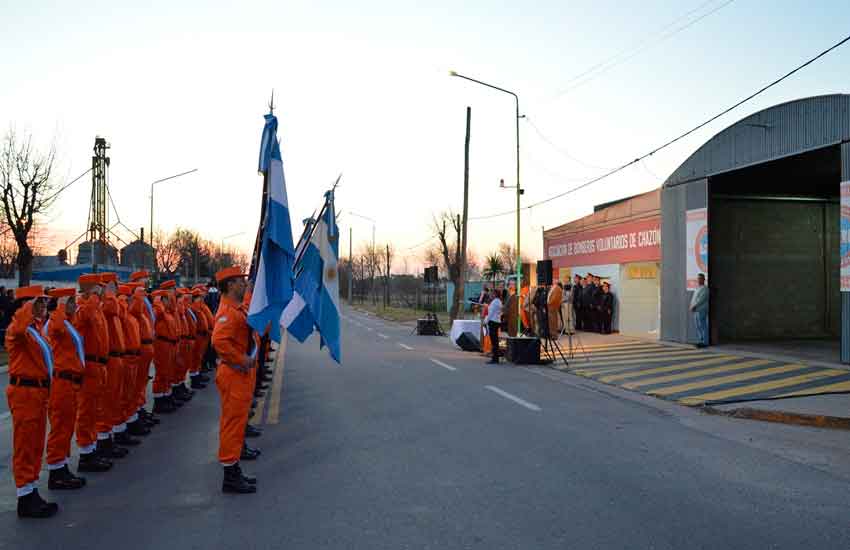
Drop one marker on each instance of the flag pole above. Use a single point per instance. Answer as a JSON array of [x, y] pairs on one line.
[[313, 229], [258, 242]]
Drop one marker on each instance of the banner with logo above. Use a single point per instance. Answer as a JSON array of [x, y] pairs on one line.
[[638, 241], [845, 236], [696, 245]]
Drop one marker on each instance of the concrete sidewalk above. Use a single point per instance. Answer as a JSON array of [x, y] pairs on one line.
[[826, 410]]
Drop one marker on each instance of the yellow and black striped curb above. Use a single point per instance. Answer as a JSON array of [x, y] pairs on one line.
[[696, 377]]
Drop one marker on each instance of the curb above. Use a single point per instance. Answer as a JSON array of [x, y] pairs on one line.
[[784, 417]]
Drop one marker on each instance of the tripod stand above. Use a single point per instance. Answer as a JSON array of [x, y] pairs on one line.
[[550, 346], [570, 332]]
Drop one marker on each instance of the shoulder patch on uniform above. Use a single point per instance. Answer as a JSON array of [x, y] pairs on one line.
[[222, 318]]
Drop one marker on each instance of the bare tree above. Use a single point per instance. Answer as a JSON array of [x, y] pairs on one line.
[[385, 262], [8, 253], [27, 191], [448, 229], [167, 253]]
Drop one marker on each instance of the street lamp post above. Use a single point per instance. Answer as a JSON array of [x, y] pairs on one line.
[[153, 252], [519, 190]]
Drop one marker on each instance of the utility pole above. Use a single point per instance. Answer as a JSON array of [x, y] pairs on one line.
[[387, 291], [458, 302], [195, 261], [350, 268]]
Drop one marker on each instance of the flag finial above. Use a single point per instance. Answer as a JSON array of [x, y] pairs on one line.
[[271, 103]]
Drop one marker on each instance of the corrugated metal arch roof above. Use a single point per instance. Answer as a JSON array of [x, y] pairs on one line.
[[782, 130]]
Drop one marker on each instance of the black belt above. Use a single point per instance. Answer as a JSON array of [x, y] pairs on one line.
[[132, 353], [164, 339], [29, 382], [70, 376], [187, 337], [147, 342], [203, 333], [116, 354], [96, 359]]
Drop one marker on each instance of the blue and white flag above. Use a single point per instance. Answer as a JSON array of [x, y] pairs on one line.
[[273, 284], [315, 304]]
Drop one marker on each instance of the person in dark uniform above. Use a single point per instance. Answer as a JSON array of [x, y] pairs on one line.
[[576, 297], [588, 299], [606, 312]]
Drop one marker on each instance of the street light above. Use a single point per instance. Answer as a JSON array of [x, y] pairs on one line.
[[221, 247], [519, 190], [152, 184]]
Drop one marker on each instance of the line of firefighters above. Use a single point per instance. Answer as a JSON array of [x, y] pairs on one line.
[[82, 361]]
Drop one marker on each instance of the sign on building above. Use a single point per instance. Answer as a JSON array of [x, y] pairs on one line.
[[696, 245]]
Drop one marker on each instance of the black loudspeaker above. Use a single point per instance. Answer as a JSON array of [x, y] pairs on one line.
[[427, 327], [468, 342], [524, 351], [544, 273], [431, 275]]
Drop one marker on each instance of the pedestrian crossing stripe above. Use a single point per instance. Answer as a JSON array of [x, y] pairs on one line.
[[630, 351], [729, 379], [598, 371], [644, 358], [623, 345], [763, 387], [696, 373], [669, 369], [838, 387]]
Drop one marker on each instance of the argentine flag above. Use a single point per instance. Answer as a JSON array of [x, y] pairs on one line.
[[273, 284], [315, 304]]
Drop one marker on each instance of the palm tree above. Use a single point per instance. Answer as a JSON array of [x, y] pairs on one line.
[[493, 267]]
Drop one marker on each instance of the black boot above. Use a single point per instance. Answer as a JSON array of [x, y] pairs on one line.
[[124, 439], [258, 393], [266, 378], [91, 462], [249, 454], [197, 384], [162, 406], [234, 482], [202, 378], [107, 449], [263, 386], [138, 428], [62, 479], [252, 431], [33, 506]]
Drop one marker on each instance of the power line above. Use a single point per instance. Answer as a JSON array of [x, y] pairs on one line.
[[426, 241], [563, 152], [613, 61], [676, 139], [67, 185]]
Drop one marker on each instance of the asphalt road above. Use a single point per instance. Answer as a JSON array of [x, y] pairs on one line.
[[414, 444]]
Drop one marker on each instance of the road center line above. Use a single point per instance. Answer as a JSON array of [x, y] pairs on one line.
[[515, 399], [405, 346], [384, 336], [445, 366]]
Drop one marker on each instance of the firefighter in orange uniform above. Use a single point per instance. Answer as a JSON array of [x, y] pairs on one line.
[[184, 348], [109, 416], [69, 363], [236, 346], [91, 324], [202, 338], [30, 368], [142, 310], [132, 353], [165, 348]]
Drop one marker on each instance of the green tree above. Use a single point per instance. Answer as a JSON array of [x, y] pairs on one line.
[[493, 267]]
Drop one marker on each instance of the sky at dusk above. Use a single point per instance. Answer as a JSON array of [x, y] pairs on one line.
[[363, 89]]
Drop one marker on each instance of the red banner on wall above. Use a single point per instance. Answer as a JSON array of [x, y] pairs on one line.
[[638, 241]]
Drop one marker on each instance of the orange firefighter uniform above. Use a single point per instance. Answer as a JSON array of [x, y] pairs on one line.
[[202, 332], [132, 354], [144, 316], [91, 324], [165, 344], [110, 415], [236, 346], [68, 373], [30, 366]]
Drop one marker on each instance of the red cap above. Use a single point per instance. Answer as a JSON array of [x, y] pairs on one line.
[[137, 275], [198, 292], [229, 273], [27, 292], [125, 290], [108, 277], [61, 292], [159, 293], [168, 284], [89, 279]]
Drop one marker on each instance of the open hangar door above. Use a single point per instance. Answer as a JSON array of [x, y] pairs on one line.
[[774, 260]]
